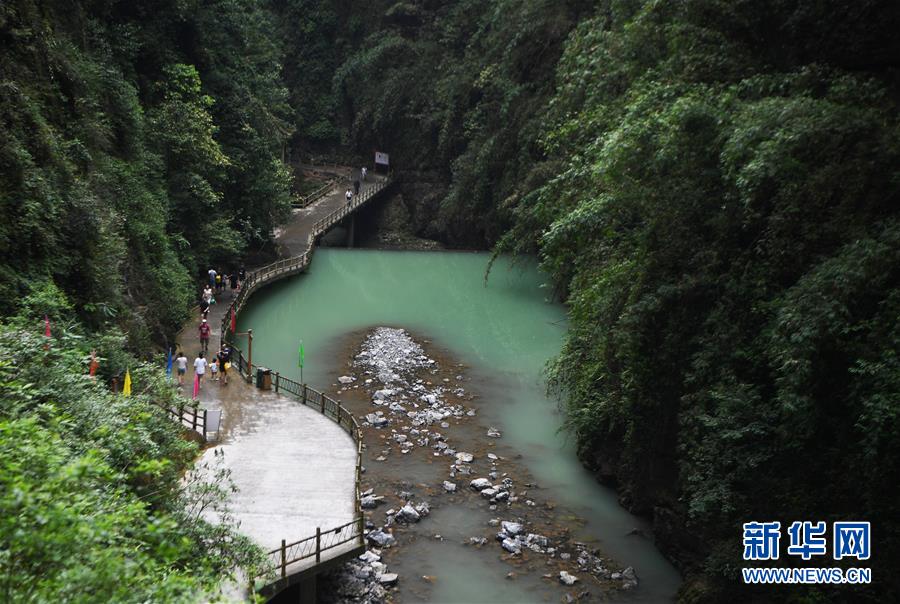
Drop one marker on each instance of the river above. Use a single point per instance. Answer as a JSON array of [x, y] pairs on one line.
[[504, 331]]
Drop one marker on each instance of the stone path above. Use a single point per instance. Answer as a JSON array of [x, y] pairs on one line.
[[294, 468]]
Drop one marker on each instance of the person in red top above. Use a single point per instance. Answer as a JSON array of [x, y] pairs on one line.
[[204, 335]]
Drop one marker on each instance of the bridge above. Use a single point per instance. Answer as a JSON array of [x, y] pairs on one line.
[[294, 452]]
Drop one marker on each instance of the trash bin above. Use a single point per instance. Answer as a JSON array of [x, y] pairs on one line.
[[263, 378]]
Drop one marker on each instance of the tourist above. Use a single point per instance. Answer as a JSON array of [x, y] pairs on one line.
[[204, 308], [349, 196], [212, 277], [220, 282], [214, 369], [224, 357], [233, 282], [356, 187], [181, 364], [204, 335], [207, 294], [363, 173], [242, 274], [199, 366]]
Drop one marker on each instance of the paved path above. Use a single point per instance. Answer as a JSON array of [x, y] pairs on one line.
[[294, 468], [292, 237]]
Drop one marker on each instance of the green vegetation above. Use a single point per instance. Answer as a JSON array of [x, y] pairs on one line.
[[92, 504], [711, 184], [714, 186], [140, 145]]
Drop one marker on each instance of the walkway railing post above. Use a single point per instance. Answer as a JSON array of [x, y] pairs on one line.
[[318, 544], [283, 560], [304, 394], [323, 404], [276, 381], [194, 418], [204, 424]]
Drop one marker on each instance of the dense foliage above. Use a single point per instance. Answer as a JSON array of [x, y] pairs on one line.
[[715, 185], [141, 142], [92, 501], [712, 184]]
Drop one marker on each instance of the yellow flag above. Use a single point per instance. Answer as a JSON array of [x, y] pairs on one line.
[[126, 387]]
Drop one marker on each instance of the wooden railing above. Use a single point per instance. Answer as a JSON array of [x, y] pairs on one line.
[[315, 545], [188, 415]]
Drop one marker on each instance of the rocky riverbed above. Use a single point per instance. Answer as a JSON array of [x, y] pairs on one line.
[[426, 449]]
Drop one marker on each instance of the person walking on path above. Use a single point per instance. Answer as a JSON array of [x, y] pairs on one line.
[[181, 364], [199, 367], [363, 172], [356, 187], [224, 358], [233, 282], [204, 308], [349, 196], [204, 335], [212, 277], [207, 294]]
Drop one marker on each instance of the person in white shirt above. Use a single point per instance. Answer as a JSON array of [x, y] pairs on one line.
[[200, 367], [349, 196], [363, 173], [181, 361]]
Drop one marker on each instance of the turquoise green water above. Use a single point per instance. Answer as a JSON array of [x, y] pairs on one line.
[[505, 332]]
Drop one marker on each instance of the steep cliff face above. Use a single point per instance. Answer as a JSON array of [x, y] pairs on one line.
[[714, 185], [140, 146]]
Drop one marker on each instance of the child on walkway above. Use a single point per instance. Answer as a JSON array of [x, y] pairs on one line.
[[214, 369]]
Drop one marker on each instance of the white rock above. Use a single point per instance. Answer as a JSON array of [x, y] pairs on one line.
[[465, 457], [346, 379], [408, 514], [511, 545], [370, 557], [567, 579], [511, 528], [479, 484], [450, 487]]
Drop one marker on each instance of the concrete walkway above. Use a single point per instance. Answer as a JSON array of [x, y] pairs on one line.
[[294, 468]]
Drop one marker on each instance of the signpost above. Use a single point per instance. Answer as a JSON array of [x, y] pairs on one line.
[[382, 161]]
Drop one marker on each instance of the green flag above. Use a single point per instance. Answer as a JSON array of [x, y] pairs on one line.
[[300, 363]]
